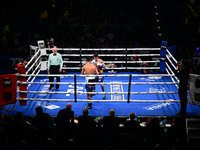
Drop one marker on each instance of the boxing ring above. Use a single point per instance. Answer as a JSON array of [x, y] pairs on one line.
[[151, 94]]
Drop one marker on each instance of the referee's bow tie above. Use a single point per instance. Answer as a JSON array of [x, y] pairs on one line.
[[54, 54]]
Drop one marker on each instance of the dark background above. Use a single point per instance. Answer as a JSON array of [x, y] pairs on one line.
[[87, 23]]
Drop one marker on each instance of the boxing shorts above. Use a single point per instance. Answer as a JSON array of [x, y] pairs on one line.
[[90, 87]]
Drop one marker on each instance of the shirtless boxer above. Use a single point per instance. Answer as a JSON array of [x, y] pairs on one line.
[[100, 65], [89, 69]]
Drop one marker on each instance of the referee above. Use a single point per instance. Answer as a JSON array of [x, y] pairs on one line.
[[55, 64]]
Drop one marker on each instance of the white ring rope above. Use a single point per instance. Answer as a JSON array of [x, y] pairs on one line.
[[156, 68], [104, 49], [83, 83], [81, 100], [78, 75], [153, 61], [34, 71], [111, 55], [32, 59], [172, 72], [171, 62], [171, 56], [143, 49], [172, 79], [33, 64], [69, 49], [33, 78], [78, 92]]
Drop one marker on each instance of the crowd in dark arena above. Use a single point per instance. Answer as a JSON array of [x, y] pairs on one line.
[[46, 132], [99, 24], [96, 24]]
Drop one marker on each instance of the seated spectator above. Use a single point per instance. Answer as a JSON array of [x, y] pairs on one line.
[[132, 126], [110, 128], [70, 144], [2, 121], [65, 124], [44, 125], [86, 122], [86, 130], [20, 128], [153, 134], [2, 129], [177, 131], [112, 66], [131, 132]]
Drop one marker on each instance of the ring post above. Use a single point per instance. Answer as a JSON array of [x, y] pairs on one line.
[[129, 88], [163, 48], [75, 98]]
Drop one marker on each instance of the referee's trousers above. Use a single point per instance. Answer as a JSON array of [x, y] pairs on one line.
[[54, 69]]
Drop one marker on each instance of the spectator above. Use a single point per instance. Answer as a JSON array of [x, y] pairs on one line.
[[112, 70], [70, 144], [44, 125], [182, 71], [153, 134], [50, 43], [14, 67], [86, 133], [86, 122], [2, 126], [20, 127], [177, 131], [132, 126], [131, 132], [110, 128], [65, 123]]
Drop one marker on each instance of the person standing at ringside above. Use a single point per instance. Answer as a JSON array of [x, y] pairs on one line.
[[55, 64], [89, 69], [99, 65], [182, 71]]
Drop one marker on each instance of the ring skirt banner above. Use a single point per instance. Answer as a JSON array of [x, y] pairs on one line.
[[8, 86]]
